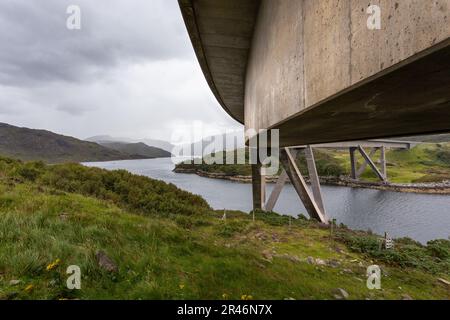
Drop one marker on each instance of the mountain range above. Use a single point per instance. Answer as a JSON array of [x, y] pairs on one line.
[[138, 148], [31, 144], [161, 144]]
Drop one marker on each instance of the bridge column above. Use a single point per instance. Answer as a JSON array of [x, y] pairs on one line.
[[353, 162], [258, 186], [383, 162]]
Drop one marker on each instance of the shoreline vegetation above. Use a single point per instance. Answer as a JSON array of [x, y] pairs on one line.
[[424, 188], [134, 237], [423, 169]]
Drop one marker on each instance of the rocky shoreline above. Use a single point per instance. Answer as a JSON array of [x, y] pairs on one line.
[[425, 188]]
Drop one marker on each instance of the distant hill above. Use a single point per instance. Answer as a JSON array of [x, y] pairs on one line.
[[229, 141], [31, 144], [107, 138], [140, 149], [167, 146]]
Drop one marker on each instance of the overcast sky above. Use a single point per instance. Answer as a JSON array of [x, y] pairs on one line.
[[129, 72]]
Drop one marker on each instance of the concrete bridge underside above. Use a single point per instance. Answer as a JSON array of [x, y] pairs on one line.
[[315, 71]]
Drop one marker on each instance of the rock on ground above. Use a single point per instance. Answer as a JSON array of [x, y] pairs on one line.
[[15, 282], [447, 283], [340, 294], [105, 262]]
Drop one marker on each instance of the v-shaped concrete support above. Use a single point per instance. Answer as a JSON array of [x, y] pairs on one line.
[[298, 182], [282, 179], [369, 161], [364, 165], [381, 173]]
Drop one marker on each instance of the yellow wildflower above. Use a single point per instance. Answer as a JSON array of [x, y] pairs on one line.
[[181, 286], [29, 288], [225, 296], [246, 297], [53, 265]]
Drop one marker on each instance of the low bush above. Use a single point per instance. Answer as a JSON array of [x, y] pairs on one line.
[[231, 227], [434, 257], [275, 219], [136, 193]]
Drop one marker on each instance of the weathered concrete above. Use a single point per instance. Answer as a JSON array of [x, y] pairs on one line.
[[221, 33], [281, 181], [326, 49], [275, 194], [383, 162], [408, 27], [372, 165], [352, 151], [313, 69], [258, 187], [275, 71], [378, 143], [314, 178], [332, 53], [299, 184], [291, 172], [362, 168]]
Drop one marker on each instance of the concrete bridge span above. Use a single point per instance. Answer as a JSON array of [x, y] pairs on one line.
[[320, 73], [314, 69]]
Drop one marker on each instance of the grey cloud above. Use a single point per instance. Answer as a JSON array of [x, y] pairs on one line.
[[130, 71], [38, 48], [7, 110], [73, 109]]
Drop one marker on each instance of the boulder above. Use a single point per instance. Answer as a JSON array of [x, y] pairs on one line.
[[105, 262]]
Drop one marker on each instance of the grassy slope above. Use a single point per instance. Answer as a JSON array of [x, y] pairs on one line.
[[424, 163], [164, 251]]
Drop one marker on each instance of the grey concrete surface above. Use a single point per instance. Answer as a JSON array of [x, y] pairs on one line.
[[313, 69]]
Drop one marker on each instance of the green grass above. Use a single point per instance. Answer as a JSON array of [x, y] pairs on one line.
[[184, 251], [424, 163]]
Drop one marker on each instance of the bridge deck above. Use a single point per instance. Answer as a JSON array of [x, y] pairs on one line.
[[391, 144], [313, 70]]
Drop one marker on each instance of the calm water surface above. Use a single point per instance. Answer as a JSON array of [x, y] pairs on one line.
[[419, 216]]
